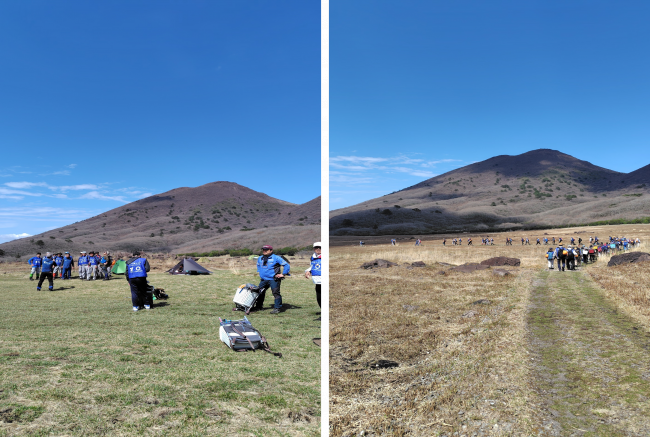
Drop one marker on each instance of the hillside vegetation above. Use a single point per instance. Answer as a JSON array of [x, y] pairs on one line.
[[537, 189]]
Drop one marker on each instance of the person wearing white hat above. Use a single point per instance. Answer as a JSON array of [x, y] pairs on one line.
[[314, 270]]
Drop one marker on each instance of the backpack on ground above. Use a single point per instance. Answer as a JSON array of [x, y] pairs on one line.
[[245, 297], [239, 335]]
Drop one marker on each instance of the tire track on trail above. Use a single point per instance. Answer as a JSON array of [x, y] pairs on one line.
[[590, 364]]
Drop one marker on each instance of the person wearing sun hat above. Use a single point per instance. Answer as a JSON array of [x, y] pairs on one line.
[[314, 269], [268, 267]]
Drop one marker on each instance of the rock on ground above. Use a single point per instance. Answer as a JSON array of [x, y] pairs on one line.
[[378, 264], [626, 258], [502, 261], [470, 267]]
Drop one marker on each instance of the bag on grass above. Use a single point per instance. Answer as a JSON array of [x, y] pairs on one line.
[[239, 335], [245, 297]]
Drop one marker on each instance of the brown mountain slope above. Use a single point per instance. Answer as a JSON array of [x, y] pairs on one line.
[[214, 216], [538, 188]]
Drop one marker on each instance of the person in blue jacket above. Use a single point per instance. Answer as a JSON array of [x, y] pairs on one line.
[[47, 271], [92, 267], [35, 262], [314, 269], [268, 267], [68, 265], [136, 274], [58, 267], [82, 263]]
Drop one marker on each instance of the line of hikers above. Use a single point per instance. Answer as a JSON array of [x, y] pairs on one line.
[[91, 265], [570, 255]]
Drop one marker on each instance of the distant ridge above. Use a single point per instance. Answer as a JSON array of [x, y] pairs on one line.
[[537, 188], [217, 215]]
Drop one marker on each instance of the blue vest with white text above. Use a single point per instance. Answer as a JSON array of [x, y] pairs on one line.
[[48, 264], [315, 266], [137, 269]]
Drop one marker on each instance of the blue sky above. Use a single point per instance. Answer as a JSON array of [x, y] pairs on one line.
[[103, 103], [421, 88]]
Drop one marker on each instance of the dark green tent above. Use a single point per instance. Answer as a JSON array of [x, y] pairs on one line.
[[119, 268]]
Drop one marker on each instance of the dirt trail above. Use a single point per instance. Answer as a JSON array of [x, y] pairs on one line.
[[590, 364]]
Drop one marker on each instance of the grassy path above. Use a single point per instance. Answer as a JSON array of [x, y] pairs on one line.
[[590, 363]]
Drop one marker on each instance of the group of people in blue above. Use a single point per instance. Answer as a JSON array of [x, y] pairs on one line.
[[91, 266]]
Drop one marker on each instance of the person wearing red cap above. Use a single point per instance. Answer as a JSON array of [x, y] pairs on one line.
[[271, 268]]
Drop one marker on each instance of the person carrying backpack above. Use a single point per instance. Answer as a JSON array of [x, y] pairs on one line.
[[550, 255], [268, 266], [561, 258], [570, 259]]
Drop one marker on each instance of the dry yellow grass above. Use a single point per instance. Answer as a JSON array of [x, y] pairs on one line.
[[463, 366]]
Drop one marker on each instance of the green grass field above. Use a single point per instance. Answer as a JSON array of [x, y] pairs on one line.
[[79, 361]]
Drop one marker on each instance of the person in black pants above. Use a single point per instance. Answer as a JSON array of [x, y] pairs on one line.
[[47, 271], [314, 269], [136, 274]]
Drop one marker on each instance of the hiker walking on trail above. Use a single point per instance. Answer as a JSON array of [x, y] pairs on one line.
[[268, 267], [553, 241], [550, 255], [570, 258], [314, 270], [136, 275], [46, 272], [560, 255], [444, 241], [35, 263], [538, 242], [392, 241], [469, 241]]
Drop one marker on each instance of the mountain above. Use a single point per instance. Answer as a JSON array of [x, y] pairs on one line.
[[214, 216], [538, 188]]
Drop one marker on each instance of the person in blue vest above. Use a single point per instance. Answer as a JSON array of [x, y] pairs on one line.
[[314, 270], [35, 262], [92, 266], [136, 274], [68, 265], [82, 263], [268, 267], [47, 271], [58, 268]]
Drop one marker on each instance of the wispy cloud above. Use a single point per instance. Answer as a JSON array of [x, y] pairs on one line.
[[9, 237], [143, 195], [72, 165], [75, 187], [20, 193], [23, 185], [99, 196]]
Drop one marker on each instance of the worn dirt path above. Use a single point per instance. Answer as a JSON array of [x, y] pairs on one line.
[[590, 363]]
